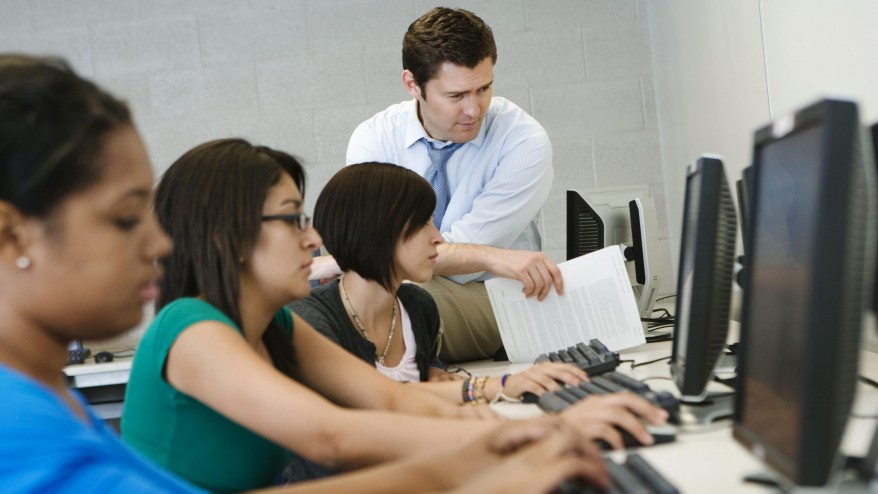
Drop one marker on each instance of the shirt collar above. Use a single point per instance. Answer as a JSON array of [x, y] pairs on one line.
[[414, 131]]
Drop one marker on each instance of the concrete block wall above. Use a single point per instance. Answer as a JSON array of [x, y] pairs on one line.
[[301, 74]]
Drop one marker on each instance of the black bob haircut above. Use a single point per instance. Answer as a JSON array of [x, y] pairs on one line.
[[365, 209]]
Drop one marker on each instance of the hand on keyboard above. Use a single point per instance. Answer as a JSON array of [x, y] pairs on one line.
[[543, 377], [634, 476], [538, 456], [602, 417]]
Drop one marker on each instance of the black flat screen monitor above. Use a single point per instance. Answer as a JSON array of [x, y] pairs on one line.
[[744, 185], [704, 280], [811, 243], [873, 133]]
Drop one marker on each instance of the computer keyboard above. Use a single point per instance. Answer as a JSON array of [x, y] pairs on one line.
[[77, 356], [610, 382], [594, 358], [634, 475]]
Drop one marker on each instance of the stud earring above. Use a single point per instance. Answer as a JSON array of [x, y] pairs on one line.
[[23, 262]]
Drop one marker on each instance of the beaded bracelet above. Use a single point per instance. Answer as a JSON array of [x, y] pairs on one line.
[[483, 381], [470, 391], [463, 389]]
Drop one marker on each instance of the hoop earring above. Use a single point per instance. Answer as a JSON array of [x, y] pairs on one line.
[[23, 262]]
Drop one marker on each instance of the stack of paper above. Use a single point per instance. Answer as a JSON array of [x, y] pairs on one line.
[[598, 302]]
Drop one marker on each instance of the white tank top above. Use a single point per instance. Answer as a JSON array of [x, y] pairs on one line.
[[407, 370]]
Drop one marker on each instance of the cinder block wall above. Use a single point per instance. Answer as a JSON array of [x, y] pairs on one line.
[[300, 75]]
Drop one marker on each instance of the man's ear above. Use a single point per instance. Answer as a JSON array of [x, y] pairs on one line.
[[411, 86]]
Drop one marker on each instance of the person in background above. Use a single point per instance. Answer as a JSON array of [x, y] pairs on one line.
[[379, 228], [489, 162], [227, 383]]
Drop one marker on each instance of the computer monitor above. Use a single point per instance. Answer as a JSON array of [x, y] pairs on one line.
[[811, 245], [598, 218], [643, 242], [743, 186], [872, 142], [704, 281]]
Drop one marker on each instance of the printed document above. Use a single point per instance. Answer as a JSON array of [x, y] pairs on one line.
[[598, 302]]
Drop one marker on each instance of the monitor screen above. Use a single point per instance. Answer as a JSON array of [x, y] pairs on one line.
[[803, 299], [704, 282]]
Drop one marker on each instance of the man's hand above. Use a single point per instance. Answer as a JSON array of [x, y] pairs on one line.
[[533, 269], [324, 268]]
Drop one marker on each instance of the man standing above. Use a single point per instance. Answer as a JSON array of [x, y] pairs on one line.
[[489, 162]]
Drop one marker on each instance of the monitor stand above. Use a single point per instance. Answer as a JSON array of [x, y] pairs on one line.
[[716, 406], [645, 297]]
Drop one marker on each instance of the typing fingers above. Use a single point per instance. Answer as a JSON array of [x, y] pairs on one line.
[[512, 435], [543, 377], [639, 406], [541, 465]]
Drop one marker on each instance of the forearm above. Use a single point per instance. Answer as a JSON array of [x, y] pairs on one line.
[[457, 258], [363, 438], [424, 399], [425, 473]]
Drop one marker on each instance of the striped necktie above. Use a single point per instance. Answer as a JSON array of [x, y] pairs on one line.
[[438, 178]]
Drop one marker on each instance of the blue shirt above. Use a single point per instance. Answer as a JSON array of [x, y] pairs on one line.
[[45, 448], [498, 182]]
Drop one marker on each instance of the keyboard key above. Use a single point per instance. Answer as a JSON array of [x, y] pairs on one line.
[[605, 383], [552, 403], [625, 478], [649, 475], [594, 358], [628, 382], [592, 388]]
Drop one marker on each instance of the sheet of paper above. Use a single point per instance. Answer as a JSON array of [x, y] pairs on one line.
[[598, 302]]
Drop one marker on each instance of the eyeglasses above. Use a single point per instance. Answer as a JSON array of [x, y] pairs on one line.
[[301, 220]]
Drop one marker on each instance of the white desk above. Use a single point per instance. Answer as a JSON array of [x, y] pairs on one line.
[[103, 385], [706, 459]]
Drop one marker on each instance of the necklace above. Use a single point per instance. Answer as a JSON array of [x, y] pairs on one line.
[[356, 318]]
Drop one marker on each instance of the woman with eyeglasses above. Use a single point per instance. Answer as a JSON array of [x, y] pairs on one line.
[[227, 384]]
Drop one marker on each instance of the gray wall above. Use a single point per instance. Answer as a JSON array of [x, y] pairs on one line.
[[725, 68], [300, 75]]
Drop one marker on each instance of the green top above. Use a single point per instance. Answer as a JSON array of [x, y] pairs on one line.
[[178, 431]]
